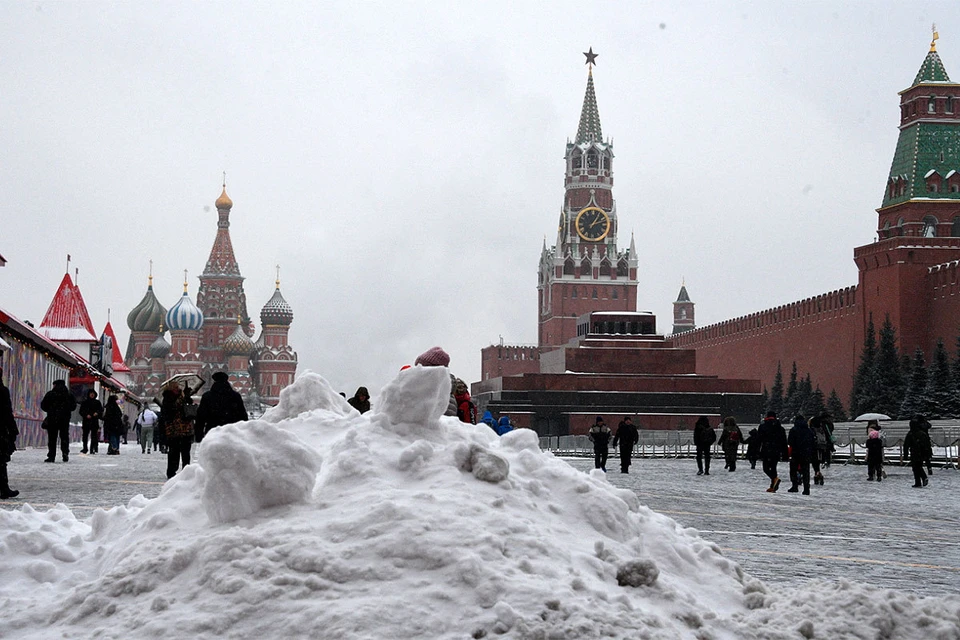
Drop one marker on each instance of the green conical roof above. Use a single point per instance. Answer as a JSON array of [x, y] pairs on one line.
[[589, 129], [931, 70]]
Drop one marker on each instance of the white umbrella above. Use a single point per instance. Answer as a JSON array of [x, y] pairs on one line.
[[871, 416]]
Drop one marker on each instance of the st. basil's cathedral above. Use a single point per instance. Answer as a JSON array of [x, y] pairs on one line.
[[215, 333]]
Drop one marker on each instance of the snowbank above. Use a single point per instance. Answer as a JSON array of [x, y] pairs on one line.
[[402, 523]]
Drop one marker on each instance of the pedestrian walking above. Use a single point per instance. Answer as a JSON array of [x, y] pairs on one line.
[[113, 425], [773, 448], [219, 406], [126, 427], [753, 447], [703, 438], [91, 413], [147, 421], [925, 426], [504, 425], [58, 403], [823, 441], [627, 437], [803, 448], [360, 400], [178, 431], [599, 435], [8, 439], [730, 438], [874, 454], [918, 447]]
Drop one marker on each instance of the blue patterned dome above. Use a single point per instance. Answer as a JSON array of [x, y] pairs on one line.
[[160, 347], [184, 316]]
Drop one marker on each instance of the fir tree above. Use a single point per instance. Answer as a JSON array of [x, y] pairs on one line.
[[939, 385], [862, 395], [906, 369], [915, 399], [776, 393], [765, 399], [791, 404], [889, 381], [804, 396], [835, 407], [816, 403]]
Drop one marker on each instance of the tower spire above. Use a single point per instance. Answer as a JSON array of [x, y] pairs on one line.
[[589, 129], [936, 36]]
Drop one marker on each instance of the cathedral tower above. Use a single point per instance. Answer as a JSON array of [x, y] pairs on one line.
[[275, 363], [585, 271], [221, 297]]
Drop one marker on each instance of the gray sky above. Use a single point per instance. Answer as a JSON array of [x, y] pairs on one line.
[[403, 162]]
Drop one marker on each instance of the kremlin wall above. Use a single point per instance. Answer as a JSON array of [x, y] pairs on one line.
[[910, 274]]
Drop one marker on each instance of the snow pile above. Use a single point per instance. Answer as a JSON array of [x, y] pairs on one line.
[[318, 522]]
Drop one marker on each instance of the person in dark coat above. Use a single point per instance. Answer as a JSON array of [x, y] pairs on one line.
[[823, 443], [113, 425], [874, 454], [59, 404], [627, 437], [703, 438], [773, 448], [599, 435], [8, 439], [753, 447], [177, 429], [730, 439], [219, 406], [918, 447], [925, 426], [91, 413], [360, 400], [803, 450]]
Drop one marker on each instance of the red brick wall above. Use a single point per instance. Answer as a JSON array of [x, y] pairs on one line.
[[499, 360]]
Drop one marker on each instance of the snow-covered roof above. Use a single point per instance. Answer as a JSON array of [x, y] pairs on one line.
[[67, 319], [929, 173]]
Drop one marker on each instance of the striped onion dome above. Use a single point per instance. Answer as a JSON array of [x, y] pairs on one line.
[[148, 314], [184, 316], [277, 311], [238, 343], [160, 348]]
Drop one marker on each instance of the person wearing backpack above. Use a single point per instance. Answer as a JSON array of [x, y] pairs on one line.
[[219, 406], [730, 439], [599, 435], [753, 447], [703, 438], [822, 451], [466, 410]]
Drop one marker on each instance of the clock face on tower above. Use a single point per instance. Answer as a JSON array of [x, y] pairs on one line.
[[592, 224]]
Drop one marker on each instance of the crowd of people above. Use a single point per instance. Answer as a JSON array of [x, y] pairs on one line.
[[809, 445]]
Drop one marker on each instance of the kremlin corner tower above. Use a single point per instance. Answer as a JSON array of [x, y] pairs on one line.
[[216, 333]]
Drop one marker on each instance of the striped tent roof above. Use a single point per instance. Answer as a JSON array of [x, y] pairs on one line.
[[67, 319]]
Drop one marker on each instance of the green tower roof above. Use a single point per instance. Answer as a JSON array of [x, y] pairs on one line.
[[589, 129], [925, 145], [931, 70]]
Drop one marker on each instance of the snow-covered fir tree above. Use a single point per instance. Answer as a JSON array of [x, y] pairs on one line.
[[835, 407], [775, 402], [887, 379], [863, 393], [940, 389], [915, 399], [791, 403]]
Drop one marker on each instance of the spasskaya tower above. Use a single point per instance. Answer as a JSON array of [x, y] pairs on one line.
[[585, 271]]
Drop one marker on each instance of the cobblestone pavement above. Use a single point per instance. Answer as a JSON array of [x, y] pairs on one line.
[[887, 534], [86, 482]]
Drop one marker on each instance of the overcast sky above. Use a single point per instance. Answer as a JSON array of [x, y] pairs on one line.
[[403, 162]]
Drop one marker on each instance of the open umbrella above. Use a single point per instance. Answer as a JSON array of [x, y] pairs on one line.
[[864, 417], [185, 379]]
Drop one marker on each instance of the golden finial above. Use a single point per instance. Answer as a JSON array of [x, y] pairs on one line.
[[278, 276], [184, 280], [150, 276], [936, 36], [238, 319]]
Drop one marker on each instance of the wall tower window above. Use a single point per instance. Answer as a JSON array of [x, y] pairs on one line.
[[569, 267], [955, 228], [592, 160], [929, 227], [949, 104], [932, 105]]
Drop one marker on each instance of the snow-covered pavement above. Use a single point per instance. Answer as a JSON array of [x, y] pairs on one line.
[[886, 534]]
